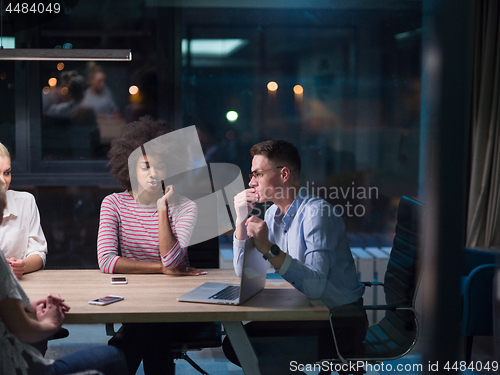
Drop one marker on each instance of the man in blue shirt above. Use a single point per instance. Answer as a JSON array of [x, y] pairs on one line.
[[304, 239]]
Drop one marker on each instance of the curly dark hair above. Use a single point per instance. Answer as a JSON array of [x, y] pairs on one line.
[[132, 136]]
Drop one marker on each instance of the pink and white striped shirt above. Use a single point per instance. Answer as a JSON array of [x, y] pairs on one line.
[[134, 226]]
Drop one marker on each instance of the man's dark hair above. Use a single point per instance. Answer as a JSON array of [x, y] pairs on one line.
[[279, 153], [132, 136]]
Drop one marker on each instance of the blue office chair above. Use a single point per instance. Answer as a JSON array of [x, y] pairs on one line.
[[479, 268], [396, 334]]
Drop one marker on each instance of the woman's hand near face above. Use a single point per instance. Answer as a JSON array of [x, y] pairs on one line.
[[183, 270], [162, 203]]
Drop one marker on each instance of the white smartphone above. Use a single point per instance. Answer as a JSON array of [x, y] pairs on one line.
[[118, 280], [105, 300]]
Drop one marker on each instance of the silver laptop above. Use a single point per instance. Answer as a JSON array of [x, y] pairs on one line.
[[253, 280]]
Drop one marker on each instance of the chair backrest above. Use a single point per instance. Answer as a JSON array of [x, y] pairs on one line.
[[204, 254], [479, 268], [397, 331], [401, 275], [473, 258]]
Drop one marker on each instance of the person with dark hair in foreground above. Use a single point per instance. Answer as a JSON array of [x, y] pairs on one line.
[[23, 321], [305, 241], [144, 230]]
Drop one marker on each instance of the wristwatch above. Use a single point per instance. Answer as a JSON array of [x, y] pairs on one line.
[[274, 251]]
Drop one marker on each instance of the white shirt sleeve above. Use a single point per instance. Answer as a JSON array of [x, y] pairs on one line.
[[238, 248], [37, 243], [21, 234]]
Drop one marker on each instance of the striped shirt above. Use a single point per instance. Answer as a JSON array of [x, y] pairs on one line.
[[134, 227]]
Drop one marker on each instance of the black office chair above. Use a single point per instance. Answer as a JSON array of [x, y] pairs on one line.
[[209, 337], [204, 255], [42, 346], [396, 334]]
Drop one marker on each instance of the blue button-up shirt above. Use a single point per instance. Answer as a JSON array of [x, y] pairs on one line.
[[318, 261]]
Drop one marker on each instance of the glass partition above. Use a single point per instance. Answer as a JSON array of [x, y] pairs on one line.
[[84, 106], [342, 85], [341, 80], [7, 106]]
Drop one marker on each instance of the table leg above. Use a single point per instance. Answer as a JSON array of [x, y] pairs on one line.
[[242, 347]]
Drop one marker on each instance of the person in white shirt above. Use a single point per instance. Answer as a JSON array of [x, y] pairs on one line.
[[24, 321], [22, 241]]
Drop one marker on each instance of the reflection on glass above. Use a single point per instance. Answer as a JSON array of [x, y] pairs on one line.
[[348, 95], [212, 48], [272, 86], [7, 107], [343, 85], [298, 89], [80, 113]]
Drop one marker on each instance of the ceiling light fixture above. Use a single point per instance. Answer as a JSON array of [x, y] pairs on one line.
[[212, 48], [66, 54]]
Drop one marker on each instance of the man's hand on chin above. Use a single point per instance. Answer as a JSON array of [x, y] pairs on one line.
[[257, 228]]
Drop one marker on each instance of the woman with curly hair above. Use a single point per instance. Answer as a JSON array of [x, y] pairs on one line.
[[24, 321], [152, 230], [145, 230]]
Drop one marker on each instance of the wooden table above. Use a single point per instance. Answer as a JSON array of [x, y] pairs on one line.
[[152, 298]]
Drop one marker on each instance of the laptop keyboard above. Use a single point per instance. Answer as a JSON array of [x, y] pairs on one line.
[[230, 292]]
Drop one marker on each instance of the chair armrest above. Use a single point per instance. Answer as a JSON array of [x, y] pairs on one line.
[[390, 308], [473, 258], [381, 307], [61, 334], [477, 293], [372, 283], [475, 276]]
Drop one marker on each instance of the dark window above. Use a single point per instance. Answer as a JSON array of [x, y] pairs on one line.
[[348, 95]]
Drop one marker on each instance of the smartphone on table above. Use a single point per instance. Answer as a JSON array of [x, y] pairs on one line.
[[105, 300], [118, 280]]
